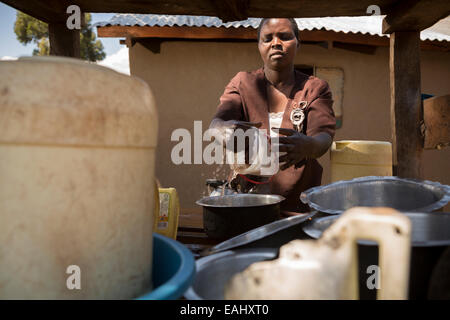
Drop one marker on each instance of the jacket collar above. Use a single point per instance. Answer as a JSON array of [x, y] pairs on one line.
[[294, 98]]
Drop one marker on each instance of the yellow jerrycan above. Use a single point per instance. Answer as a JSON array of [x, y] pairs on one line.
[[328, 268], [359, 158], [167, 215]]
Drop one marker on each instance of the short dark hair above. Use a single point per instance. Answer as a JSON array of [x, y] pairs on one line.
[[291, 20]]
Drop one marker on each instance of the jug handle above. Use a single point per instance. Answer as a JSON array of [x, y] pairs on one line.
[[392, 231]]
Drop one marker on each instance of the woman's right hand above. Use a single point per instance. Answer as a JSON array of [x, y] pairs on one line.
[[234, 124], [227, 129]]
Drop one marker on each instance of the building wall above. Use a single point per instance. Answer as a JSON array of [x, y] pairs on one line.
[[187, 79]]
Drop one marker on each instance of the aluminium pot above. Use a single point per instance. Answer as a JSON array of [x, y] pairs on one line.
[[230, 215], [430, 237]]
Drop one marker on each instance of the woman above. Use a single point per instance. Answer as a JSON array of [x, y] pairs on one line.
[[277, 96]]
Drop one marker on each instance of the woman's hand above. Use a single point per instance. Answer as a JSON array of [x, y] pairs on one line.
[[227, 129], [234, 124], [299, 146]]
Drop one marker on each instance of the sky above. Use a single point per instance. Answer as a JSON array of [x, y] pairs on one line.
[[10, 47]]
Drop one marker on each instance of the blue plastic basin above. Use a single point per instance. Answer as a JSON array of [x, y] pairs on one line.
[[173, 269]]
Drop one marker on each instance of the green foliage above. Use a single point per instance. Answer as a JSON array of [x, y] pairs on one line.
[[43, 48], [29, 29], [91, 49]]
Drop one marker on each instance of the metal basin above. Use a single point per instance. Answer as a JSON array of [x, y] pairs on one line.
[[213, 272], [401, 194], [429, 239], [428, 229], [227, 216]]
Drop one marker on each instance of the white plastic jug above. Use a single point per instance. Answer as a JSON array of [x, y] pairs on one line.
[[327, 268], [77, 157], [263, 157]]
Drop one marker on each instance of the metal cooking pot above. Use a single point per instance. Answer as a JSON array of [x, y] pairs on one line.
[[218, 187], [213, 272], [430, 237], [229, 215], [401, 194]]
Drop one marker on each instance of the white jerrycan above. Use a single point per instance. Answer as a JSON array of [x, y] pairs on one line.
[[328, 268], [77, 162]]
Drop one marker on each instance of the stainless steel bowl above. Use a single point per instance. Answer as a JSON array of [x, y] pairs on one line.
[[401, 194]]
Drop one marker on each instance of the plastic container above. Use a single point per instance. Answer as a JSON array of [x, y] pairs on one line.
[[358, 158], [166, 221], [263, 161], [173, 269], [77, 157]]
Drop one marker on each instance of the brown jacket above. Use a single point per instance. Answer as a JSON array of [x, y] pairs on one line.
[[245, 98]]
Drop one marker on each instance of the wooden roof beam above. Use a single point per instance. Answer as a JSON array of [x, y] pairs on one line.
[[415, 15], [47, 11], [231, 33], [228, 9], [176, 32], [204, 33], [231, 10]]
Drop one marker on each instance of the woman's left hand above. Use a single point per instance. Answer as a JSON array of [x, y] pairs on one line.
[[299, 146], [296, 145]]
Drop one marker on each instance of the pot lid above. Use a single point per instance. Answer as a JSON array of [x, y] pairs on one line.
[[258, 233]]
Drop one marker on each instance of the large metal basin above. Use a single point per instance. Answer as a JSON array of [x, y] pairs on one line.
[[401, 194]]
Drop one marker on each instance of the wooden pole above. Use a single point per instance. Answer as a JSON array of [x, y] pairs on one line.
[[406, 106], [63, 41]]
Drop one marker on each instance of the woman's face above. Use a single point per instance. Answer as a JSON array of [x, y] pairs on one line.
[[277, 44]]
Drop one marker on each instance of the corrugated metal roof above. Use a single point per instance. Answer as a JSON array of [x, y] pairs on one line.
[[364, 24], [157, 20]]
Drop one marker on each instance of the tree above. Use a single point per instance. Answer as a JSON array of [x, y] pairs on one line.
[[29, 29]]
